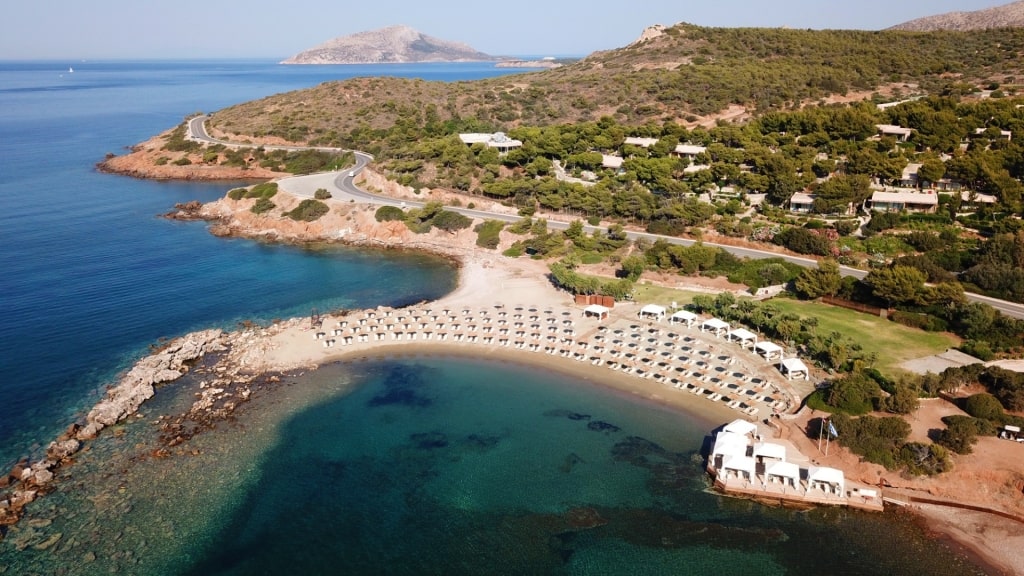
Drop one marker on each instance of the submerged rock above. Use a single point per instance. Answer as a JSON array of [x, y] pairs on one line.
[[563, 413], [599, 426], [429, 440]]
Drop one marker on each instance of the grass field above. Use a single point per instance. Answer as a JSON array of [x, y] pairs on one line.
[[892, 342], [651, 294]]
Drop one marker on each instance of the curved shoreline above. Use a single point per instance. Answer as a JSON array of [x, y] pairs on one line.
[[35, 477]]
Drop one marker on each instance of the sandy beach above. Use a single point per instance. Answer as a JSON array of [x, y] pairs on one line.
[[506, 309]]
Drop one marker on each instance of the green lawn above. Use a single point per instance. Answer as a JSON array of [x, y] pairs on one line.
[[894, 343], [651, 294]]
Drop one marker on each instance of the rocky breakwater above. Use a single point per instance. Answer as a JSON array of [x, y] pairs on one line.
[[28, 480]]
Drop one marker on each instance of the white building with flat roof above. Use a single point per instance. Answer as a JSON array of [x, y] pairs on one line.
[[909, 201], [641, 142], [688, 150], [899, 132], [498, 140]]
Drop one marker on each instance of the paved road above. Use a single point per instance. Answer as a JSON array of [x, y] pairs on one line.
[[341, 187]]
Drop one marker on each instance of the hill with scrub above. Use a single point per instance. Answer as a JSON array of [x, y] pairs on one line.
[[1005, 16], [682, 73]]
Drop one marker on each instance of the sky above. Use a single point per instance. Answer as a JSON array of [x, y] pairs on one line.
[[134, 29]]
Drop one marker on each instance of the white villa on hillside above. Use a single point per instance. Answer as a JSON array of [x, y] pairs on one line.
[[497, 140], [900, 133], [688, 150], [1008, 135], [641, 142], [926, 202], [801, 203]]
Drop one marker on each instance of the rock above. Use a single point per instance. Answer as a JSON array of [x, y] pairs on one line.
[[40, 522], [42, 477], [90, 431], [59, 450], [89, 556]]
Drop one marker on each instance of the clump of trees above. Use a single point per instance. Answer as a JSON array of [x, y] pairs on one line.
[[883, 440]]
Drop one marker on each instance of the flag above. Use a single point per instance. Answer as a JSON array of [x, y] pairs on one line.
[[832, 430]]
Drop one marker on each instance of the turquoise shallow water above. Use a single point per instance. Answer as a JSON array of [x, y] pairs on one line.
[[455, 466]]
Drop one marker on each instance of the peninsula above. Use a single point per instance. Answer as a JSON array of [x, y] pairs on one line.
[[636, 180]]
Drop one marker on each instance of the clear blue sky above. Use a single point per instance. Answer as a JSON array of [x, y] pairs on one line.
[[130, 29]]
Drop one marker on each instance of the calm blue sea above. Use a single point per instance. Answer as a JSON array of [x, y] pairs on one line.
[[400, 466], [90, 276]]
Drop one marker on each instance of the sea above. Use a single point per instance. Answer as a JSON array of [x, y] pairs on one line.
[[407, 464]]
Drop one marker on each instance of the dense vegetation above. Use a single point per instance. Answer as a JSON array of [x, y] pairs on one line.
[[689, 71]]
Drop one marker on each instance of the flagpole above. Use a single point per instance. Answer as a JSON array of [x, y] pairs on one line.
[[821, 429]]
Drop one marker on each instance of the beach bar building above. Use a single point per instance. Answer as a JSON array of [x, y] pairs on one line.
[[765, 451], [742, 336], [728, 445], [794, 368], [597, 311], [714, 325], [768, 349], [828, 480], [741, 428], [743, 467], [652, 312], [785, 473], [684, 317]]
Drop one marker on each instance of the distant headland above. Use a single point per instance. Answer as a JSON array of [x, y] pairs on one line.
[[394, 44]]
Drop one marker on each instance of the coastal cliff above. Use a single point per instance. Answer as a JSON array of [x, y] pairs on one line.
[[394, 44]]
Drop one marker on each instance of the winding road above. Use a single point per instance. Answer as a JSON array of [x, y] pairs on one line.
[[342, 187]]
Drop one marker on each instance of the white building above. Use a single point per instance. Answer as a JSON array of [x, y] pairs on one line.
[[497, 140]]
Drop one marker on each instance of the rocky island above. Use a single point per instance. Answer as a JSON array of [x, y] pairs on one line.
[[391, 45]]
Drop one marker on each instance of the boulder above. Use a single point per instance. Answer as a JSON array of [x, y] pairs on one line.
[[42, 477], [89, 431], [59, 450]]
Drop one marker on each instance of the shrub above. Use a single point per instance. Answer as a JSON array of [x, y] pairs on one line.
[[804, 241], [959, 435], [853, 394], [927, 459], [925, 322], [979, 349], [262, 205], [237, 193], [488, 234], [846, 227], [514, 251], [389, 214], [321, 194], [878, 440], [985, 406], [451, 221], [265, 191], [591, 258], [183, 161], [162, 161], [308, 211]]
